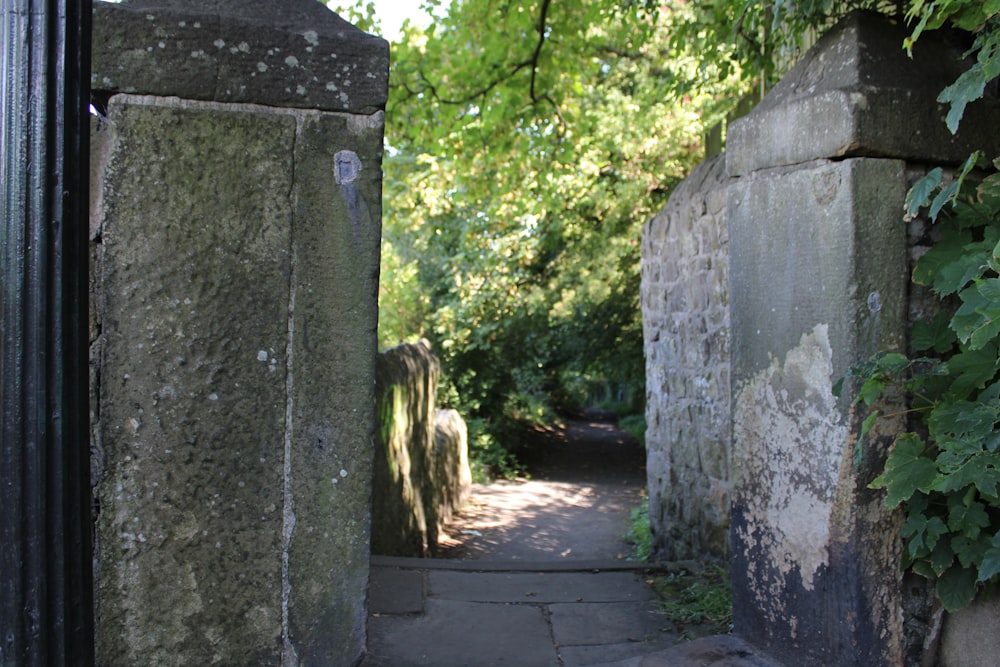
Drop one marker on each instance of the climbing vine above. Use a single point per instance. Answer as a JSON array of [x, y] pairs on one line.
[[945, 472]]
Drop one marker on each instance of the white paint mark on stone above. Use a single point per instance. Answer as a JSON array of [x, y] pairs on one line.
[[875, 302], [261, 67], [244, 47], [789, 444], [183, 24], [262, 355], [162, 45], [331, 86], [312, 37], [292, 61], [347, 167], [213, 396], [301, 90], [219, 43], [197, 24], [343, 473]]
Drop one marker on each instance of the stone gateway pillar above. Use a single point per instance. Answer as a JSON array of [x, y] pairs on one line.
[[236, 226], [818, 282]]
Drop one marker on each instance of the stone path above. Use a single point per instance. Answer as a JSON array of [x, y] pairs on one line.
[[446, 614], [538, 576]]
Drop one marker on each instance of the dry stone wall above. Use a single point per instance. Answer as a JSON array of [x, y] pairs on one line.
[[685, 309], [422, 469]]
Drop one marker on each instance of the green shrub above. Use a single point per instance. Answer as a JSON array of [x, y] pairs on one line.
[[635, 425]]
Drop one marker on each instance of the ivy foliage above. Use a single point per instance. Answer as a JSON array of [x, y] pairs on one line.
[[946, 473]]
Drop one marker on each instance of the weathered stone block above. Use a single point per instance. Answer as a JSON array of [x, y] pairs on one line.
[[837, 102], [333, 318], [971, 637], [195, 233], [819, 283], [237, 304], [422, 469], [295, 53]]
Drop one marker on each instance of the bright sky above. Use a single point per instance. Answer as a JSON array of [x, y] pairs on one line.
[[391, 14]]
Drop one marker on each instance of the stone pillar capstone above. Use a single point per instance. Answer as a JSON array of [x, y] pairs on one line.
[[236, 225]]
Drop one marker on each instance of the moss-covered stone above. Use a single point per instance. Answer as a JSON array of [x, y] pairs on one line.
[[195, 229], [237, 303]]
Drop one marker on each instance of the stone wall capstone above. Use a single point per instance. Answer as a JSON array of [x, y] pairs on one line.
[[422, 469], [685, 310], [236, 245]]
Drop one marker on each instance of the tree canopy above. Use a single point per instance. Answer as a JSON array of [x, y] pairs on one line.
[[527, 143]]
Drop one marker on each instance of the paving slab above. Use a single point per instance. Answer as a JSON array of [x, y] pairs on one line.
[[539, 587], [575, 624], [714, 651], [454, 633], [600, 654], [395, 591]]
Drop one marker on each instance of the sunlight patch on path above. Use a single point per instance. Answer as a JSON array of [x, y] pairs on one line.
[[542, 520]]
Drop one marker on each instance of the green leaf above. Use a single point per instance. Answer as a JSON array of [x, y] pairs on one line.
[[920, 194], [950, 249], [977, 321], [967, 519], [981, 470], [969, 550], [990, 565], [973, 369], [963, 419], [869, 421], [907, 470], [923, 534], [924, 569], [870, 390], [956, 588], [971, 262], [955, 453], [947, 194], [942, 557], [935, 335], [968, 87]]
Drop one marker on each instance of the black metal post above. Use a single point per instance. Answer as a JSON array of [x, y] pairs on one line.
[[46, 580]]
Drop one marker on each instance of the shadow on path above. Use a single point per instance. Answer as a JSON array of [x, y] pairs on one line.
[[583, 482], [537, 576]]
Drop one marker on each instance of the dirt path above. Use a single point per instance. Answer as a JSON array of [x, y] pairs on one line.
[[583, 482]]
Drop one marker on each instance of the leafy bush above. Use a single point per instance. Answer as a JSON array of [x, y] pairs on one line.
[[635, 425], [946, 474], [488, 458]]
